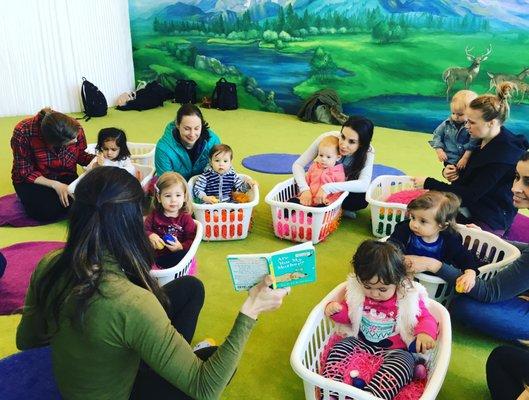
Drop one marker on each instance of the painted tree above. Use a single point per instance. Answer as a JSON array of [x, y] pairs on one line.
[[322, 65]]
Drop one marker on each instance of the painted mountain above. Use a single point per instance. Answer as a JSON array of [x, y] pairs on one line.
[[510, 13]]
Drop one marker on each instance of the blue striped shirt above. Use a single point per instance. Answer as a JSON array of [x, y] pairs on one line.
[[211, 183]]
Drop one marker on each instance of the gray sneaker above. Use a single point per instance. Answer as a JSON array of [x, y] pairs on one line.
[[349, 214]]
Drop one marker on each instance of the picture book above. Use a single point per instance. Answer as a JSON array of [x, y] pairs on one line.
[[291, 266]]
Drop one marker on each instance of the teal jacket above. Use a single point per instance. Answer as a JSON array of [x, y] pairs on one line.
[[170, 155]]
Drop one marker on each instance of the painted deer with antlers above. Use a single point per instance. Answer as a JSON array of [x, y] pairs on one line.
[[496, 79], [466, 75]]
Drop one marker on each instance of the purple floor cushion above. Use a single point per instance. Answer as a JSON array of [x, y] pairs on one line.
[[271, 163], [28, 375], [22, 258], [519, 231], [281, 163], [12, 213]]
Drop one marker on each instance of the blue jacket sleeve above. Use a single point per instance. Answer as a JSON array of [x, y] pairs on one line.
[[472, 144], [437, 141]]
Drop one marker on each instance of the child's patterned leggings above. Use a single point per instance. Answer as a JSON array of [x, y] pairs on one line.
[[395, 372]]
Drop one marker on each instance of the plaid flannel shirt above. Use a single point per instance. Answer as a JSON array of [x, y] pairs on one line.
[[32, 157]]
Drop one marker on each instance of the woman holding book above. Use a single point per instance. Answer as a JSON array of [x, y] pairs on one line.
[[95, 301]]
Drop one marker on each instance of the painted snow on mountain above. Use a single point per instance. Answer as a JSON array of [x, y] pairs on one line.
[[509, 12]]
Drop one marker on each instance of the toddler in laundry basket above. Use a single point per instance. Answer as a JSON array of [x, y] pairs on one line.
[[170, 226], [219, 180], [384, 313], [430, 232]]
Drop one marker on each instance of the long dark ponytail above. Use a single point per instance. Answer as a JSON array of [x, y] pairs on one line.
[[364, 127], [105, 225]]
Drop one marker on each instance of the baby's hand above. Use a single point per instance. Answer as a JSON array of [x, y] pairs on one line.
[[461, 164], [418, 182], [466, 282], [332, 308], [100, 159], [424, 342], [210, 200], [156, 241], [174, 246], [441, 155], [251, 182]]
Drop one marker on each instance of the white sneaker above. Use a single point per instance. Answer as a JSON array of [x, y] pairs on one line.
[[349, 214], [207, 342]]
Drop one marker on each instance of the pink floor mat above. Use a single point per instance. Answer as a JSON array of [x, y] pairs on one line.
[[22, 258]]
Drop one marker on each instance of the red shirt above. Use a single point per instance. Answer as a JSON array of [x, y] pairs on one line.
[[33, 157]]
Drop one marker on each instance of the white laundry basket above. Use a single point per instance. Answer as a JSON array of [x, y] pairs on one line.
[[146, 174], [182, 268], [301, 223], [486, 246], [384, 215], [305, 357], [226, 221], [140, 153]]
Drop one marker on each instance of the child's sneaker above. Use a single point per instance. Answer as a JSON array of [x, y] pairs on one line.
[[349, 214], [207, 342]]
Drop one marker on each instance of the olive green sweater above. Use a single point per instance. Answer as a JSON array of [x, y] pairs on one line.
[[123, 325]]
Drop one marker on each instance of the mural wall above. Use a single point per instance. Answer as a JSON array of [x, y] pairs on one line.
[[395, 61]]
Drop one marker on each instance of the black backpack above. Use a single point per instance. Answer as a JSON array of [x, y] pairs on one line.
[[224, 95], [185, 91], [151, 96], [94, 102]]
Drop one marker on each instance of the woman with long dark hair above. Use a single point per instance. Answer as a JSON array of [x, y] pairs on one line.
[[97, 306], [358, 157], [185, 144]]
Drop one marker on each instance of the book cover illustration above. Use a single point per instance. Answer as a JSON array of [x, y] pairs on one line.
[[292, 266]]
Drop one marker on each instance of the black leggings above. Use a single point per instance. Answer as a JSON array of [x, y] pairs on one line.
[[186, 296], [170, 260], [507, 371], [41, 202], [355, 202]]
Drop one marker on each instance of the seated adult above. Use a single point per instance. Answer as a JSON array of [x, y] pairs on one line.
[[102, 313], [46, 151], [185, 144], [358, 157], [499, 306], [484, 185]]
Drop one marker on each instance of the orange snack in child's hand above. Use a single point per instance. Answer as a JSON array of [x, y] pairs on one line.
[[460, 288]]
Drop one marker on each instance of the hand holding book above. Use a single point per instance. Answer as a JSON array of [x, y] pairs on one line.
[[262, 298]]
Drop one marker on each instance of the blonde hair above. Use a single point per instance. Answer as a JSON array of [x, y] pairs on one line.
[[330, 141], [495, 107], [462, 99], [447, 205], [165, 181]]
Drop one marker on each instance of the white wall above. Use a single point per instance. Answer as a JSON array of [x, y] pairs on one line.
[[47, 46]]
